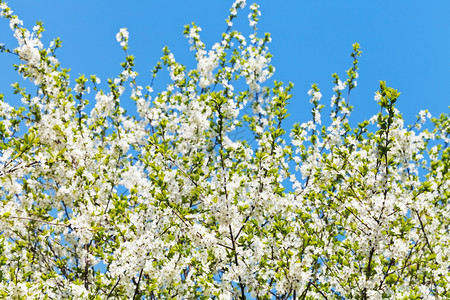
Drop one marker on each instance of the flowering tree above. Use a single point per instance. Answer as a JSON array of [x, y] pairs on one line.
[[172, 203]]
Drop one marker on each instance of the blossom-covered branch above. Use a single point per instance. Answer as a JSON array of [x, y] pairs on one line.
[[171, 202]]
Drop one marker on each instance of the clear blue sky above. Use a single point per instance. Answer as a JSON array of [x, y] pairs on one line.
[[405, 42]]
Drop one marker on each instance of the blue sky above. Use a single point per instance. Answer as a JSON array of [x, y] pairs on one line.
[[404, 42]]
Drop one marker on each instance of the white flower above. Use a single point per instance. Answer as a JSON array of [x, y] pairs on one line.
[[122, 37], [341, 85], [317, 95], [29, 54], [15, 22], [424, 114], [79, 88], [377, 96]]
